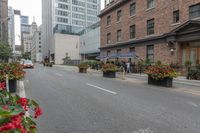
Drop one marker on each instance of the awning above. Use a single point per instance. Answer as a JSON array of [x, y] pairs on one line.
[[113, 56], [128, 55], [101, 57]]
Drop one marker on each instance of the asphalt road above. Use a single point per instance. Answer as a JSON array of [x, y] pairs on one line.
[[89, 103]]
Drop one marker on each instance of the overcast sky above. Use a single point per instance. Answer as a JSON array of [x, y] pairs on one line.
[[30, 8]]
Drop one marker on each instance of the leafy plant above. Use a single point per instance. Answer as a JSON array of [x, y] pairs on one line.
[[188, 65], [158, 63], [161, 72], [109, 67], [13, 70], [194, 74], [83, 65], [13, 118], [5, 51]]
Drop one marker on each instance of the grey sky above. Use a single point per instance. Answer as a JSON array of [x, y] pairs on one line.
[[31, 8]]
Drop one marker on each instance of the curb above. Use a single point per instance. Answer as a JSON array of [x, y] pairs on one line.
[[21, 89]]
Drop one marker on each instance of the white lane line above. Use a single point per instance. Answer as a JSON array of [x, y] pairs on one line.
[[112, 92], [59, 74], [193, 104]]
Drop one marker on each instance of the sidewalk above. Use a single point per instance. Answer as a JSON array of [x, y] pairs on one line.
[[179, 80], [133, 76]]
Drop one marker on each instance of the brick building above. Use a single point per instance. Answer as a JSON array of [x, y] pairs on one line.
[[160, 30]]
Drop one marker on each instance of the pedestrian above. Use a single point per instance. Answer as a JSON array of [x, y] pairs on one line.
[[128, 70]]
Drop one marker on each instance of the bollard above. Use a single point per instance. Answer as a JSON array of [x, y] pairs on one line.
[[7, 83]]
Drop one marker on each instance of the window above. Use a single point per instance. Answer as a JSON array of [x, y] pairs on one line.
[[132, 9], [108, 38], [119, 35], [150, 53], [150, 4], [150, 27], [108, 53], [132, 49], [176, 16], [132, 31], [194, 11], [108, 20], [119, 15], [119, 51]]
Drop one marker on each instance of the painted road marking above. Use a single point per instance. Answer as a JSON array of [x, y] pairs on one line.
[[60, 75], [112, 92], [193, 104]]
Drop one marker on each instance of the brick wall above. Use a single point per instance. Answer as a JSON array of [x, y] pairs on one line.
[[162, 13]]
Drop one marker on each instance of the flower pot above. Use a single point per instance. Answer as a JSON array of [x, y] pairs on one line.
[[109, 74], [12, 86], [166, 82], [82, 70]]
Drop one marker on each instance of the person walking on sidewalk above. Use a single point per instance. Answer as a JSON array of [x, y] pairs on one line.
[[128, 67]]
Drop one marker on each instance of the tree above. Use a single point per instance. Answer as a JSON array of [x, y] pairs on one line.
[[26, 55], [5, 51]]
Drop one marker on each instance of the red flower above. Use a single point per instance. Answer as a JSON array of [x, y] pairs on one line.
[[23, 102], [5, 107], [38, 112], [3, 85]]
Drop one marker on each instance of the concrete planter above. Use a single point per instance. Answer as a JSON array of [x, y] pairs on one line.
[[167, 82], [82, 70], [109, 74]]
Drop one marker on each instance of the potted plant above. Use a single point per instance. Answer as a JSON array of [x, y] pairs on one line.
[[161, 75], [13, 118], [83, 68], [14, 72], [109, 70]]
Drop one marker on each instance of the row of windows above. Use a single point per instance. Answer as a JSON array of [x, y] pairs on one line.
[[149, 52], [194, 12], [78, 9], [91, 6], [63, 20], [132, 31], [91, 12], [78, 22], [66, 1], [91, 18], [79, 16], [79, 3], [92, 1], [62, 13], [63, 6]]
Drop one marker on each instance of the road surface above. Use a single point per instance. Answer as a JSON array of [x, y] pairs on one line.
[[89, 103]]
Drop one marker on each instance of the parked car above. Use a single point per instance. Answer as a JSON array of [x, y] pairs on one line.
[[28, 64]]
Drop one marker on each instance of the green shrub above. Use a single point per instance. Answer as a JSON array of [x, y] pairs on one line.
[[194, 74]]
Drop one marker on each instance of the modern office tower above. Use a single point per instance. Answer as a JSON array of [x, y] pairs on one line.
[[66, 17]]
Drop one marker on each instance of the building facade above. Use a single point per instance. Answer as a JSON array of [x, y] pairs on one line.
[[65, 45], [25, 34], [11, 28], [4, 20], [158, 30], [66, 17], [36, 44], [90, 42]]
